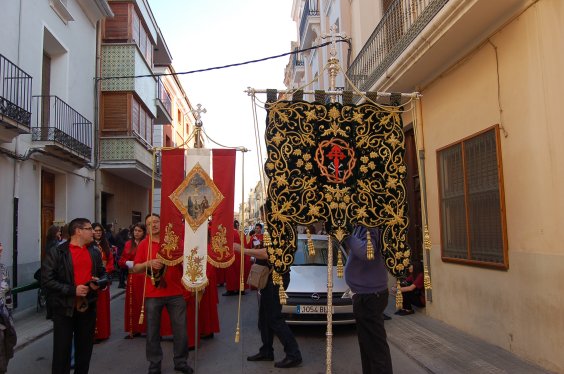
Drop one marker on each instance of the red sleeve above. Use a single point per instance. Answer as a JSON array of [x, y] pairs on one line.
[[419, 281], [125, 255], [110, 262], [236, 237], [141, 254]]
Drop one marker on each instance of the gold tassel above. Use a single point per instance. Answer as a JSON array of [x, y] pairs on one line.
[[340, 271], [399, 297], [266, 239], [426, 279], [369, 247], [310, 247], [237, 335], [142, 315], [426, 238], [277, 280]]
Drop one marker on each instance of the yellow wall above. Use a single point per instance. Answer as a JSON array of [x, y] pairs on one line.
[[522, 309]]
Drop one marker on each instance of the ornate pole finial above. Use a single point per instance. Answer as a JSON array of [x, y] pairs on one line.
[[333, 60], [198, 143]]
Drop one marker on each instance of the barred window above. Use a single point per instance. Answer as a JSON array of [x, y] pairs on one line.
[[472, 210]]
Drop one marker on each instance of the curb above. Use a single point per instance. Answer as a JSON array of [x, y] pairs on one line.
[[42, 332]]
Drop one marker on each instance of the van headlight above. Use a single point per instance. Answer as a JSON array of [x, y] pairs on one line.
[[348, 294]]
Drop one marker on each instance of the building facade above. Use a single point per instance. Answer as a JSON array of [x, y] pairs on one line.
[[136, 114], [47, 116], [487, 127]]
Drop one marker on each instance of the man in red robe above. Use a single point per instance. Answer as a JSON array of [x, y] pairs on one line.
[[233, 272]]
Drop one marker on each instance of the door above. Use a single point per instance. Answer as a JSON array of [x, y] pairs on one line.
[[45, 92], [47, 205]]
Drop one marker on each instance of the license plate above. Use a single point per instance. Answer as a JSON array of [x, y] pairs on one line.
[[312, 309]]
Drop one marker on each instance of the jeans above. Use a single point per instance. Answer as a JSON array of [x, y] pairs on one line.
[[272, 323], [374, 350], [81, 326], [176, 307]]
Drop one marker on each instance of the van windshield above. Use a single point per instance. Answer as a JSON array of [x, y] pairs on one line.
[[302, 257]]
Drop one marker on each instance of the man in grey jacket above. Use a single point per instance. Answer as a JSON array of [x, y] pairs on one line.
[[368, 279]]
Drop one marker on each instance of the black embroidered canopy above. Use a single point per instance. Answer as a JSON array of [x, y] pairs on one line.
[[340, 164]]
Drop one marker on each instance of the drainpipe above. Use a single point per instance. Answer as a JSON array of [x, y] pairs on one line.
[[16, 199], [96, 151]]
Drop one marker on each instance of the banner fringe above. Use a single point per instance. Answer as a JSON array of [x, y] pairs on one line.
[[221, 265]]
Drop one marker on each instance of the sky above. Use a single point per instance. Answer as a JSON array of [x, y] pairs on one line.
[[208, 33]]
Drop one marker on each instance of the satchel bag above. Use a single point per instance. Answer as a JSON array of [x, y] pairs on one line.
[[258, 276]]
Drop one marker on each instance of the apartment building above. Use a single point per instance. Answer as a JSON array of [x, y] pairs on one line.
[[47, 119], [487, 125], [136, 113]]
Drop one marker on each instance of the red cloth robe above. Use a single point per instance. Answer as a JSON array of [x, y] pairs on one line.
[[133, 293], [208, 315], [103, 327], [232, 273]]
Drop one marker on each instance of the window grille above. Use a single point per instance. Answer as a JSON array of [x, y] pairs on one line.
[[471, 203]]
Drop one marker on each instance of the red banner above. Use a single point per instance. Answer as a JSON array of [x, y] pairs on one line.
[[171, 247], [220, 253]]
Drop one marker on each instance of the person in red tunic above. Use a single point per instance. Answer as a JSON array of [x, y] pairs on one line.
[[208, 315], [233, 273], [103, 326], [134, 289], [163, 288]]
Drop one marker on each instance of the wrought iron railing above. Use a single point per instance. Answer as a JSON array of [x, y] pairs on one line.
[[56, 121], [297, 59], [400, 25], [164, 97], [15, 92], [311, 8]]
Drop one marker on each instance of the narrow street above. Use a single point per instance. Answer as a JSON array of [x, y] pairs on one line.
[[220, 354]]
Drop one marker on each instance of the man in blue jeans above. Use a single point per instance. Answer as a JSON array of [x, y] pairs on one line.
[[368, 279], [165, 291]]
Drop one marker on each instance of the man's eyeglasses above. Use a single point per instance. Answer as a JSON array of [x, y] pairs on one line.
[[86, 228]]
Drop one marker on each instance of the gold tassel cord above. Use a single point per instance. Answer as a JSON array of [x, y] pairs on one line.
[[369, 247], [142, 315], [399, 297], [267, 241], [340, 270], [277, 280], [310, 246], [427, 246], [237, 334]]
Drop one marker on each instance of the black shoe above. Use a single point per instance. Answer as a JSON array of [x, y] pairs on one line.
[[155, 368], [209, 336], [386, 317], [288, 363], [405, 312], [184, 369], [261, 357], [230, 293]]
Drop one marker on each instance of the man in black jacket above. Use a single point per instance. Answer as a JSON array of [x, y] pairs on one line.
[[71, 275]]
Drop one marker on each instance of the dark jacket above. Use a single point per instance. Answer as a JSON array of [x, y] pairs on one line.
[[57, 279]]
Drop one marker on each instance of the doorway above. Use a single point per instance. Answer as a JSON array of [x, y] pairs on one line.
[[47, 205]]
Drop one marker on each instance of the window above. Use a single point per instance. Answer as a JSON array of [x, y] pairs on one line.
[[472, 209]]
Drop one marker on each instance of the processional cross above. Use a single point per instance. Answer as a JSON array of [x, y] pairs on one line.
[[198, 143]]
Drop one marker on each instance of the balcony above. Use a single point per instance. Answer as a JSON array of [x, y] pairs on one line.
[[310, 23], [164, 105], [15, 100], [61, 130], [128, 157], [416, 40]]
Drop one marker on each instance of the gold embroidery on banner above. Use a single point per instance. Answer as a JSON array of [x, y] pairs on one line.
[[194, 266], [170, 241], [219, 243], [301, 192]]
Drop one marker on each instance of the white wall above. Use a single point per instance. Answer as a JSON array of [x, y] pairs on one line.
[[73, 68]]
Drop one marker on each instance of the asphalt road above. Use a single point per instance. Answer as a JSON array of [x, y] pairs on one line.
[[220, 354]]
